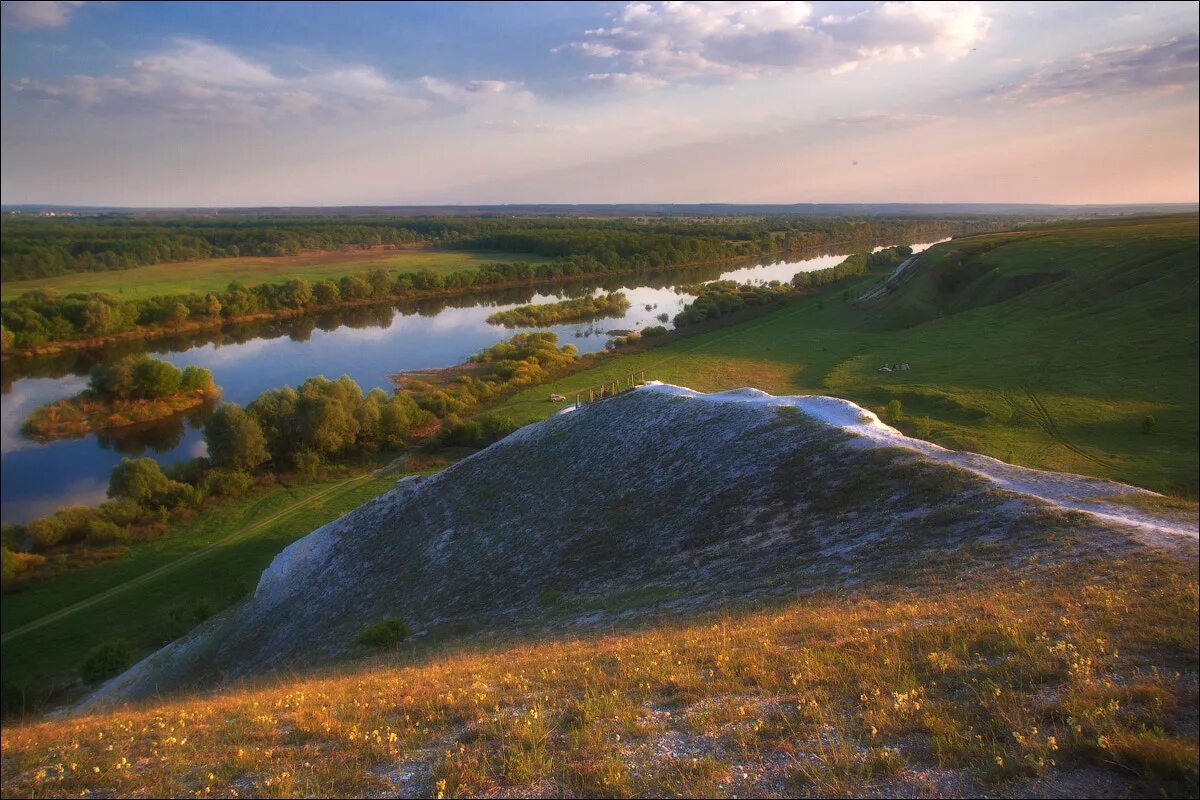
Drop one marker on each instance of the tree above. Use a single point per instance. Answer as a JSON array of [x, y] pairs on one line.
[[211, 307], [113, 380], [327, 293], [177, 314], [137, 479], [196, 379], [154, 378], [234, 438], [98, 317], [297, 293]]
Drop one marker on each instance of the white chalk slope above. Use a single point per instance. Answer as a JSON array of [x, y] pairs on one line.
[[694, 500], [1074, 492]]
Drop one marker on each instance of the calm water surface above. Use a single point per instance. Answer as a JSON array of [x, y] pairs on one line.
[[368, 344]]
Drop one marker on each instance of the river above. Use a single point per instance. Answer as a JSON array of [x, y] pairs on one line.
[[368, 344]]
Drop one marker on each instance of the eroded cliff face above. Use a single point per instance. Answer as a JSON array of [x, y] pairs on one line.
[[659, 499]]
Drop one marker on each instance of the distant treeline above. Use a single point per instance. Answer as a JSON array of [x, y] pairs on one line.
[[38, 248], [45, 316]]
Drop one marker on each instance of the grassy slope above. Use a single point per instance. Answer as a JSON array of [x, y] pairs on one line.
[[143, 616], [216, 273], [1051, 682], [1113, 341]]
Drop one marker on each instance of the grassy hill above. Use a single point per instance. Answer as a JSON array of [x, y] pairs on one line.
[[675, 595], [1045, 347], [215, 274]]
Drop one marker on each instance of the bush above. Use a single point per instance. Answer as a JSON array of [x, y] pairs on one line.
[[227, 482], [106, 661], [137, 479], [13, 564], [1148, 425], [104, 532], [45, 532], [496, 427], [122, 512], [654, 330], [383, 634], [549, 597], [893, 410]]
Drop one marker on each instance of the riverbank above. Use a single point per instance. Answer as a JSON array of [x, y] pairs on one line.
[[193, 326]]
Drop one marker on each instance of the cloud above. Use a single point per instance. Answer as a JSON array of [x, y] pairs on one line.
[[197, 82], [30, 15], [479, 93], [681, 41], [1163, 67]]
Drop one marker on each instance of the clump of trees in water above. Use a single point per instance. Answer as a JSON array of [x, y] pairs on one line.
[[726, 297], [574, 310], [125, 392]]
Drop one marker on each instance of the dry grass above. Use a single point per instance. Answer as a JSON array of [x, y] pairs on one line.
[[1086, 667]]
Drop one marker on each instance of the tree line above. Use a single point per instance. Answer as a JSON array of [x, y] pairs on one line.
[[38, 248]]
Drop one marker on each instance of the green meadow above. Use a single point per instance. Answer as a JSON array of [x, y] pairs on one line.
[[197, 568], [215, 274], [1068, 346]]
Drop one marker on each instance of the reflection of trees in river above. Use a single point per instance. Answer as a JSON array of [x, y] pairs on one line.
[[160, 436], [300, 329]]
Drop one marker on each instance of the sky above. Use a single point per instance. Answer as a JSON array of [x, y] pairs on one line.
[[245, 104]]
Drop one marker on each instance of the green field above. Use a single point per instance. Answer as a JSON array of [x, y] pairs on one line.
[[1049, 350], [216, 273], [156, 611]]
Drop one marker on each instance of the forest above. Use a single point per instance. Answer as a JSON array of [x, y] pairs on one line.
[[39, 247]]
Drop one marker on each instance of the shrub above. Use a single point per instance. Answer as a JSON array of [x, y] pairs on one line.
[[45, 532], [1147, 425], [497, 426], [549, 597], [654, 330], [137, 479], [894, 410], [227, 482], [383, 634], [105, 661], [308, 462], [122, 511], [13, 564], [101, 531]]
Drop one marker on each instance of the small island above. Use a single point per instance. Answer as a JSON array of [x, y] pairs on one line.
[[133, 390], [578, 310]]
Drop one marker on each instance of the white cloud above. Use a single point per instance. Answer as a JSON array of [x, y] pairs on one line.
[[479, 93], [31, 15], [1169, 66], [678, 41], [199, 82]]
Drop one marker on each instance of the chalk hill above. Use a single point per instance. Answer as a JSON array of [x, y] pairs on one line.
[[660, 499]]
